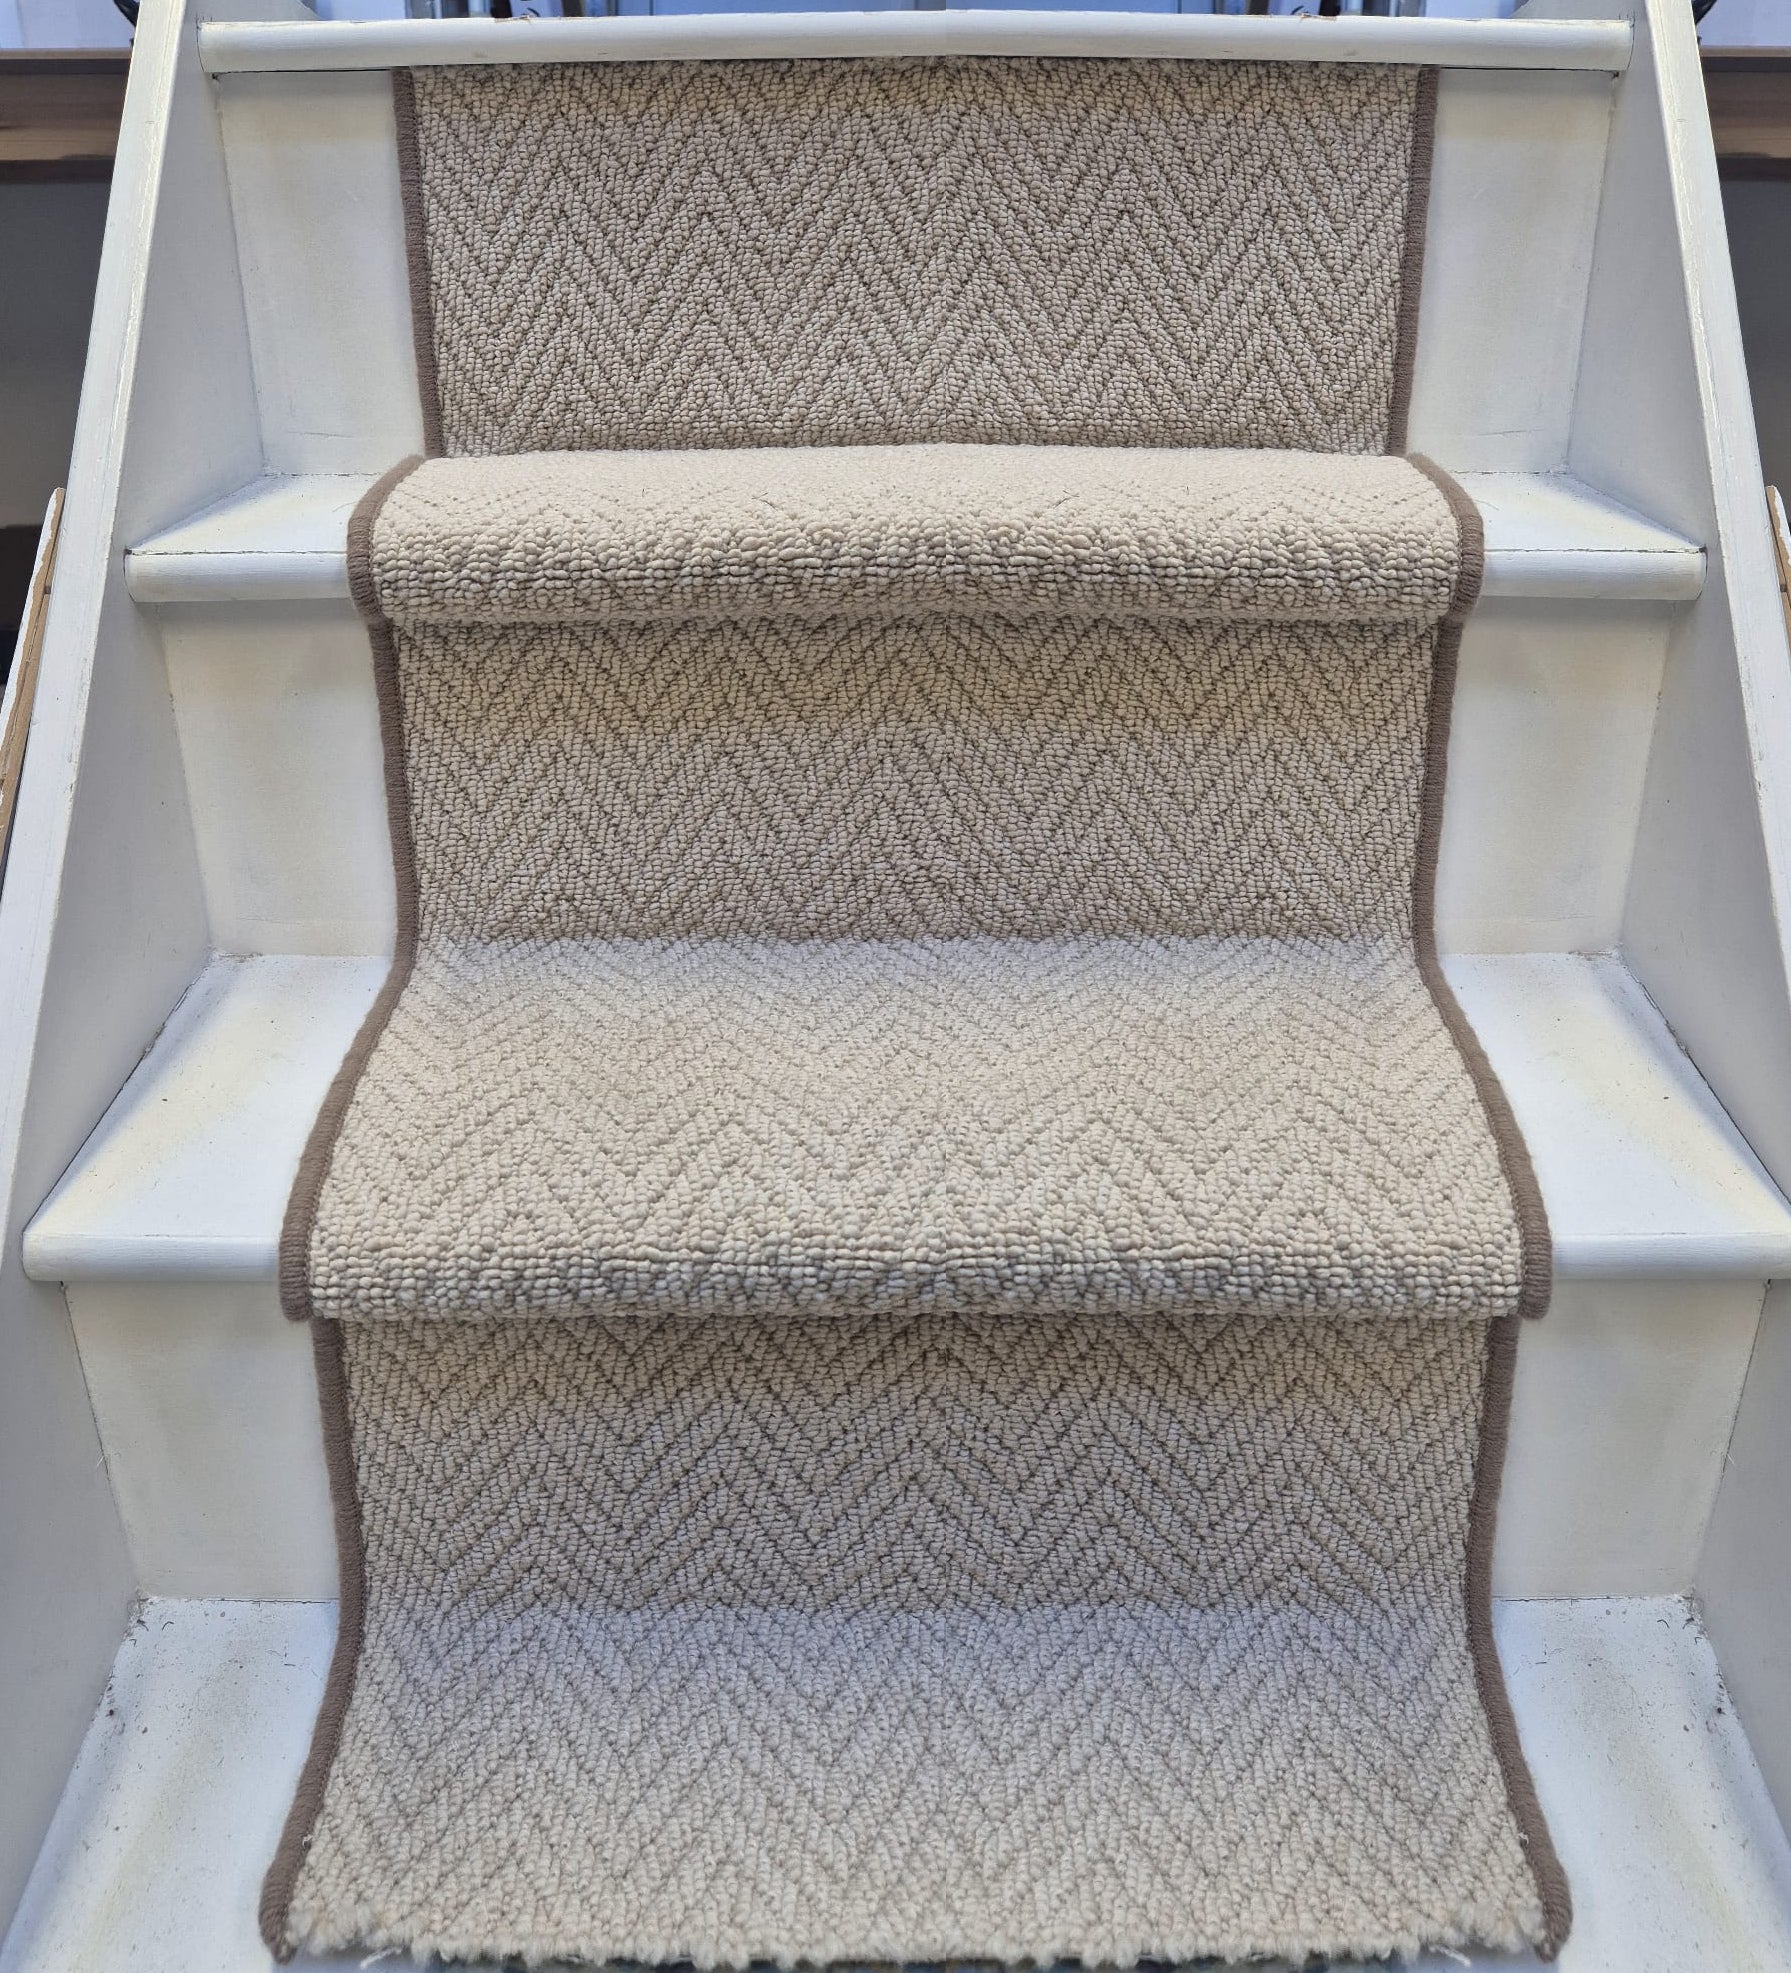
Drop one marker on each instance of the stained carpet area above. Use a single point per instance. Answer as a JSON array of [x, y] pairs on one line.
[[915, 1275]]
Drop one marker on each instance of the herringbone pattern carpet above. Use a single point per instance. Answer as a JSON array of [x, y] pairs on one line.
[[743, 1128], [942, 779], [837, 253], [882, 532], [915, 1637], [914, 1274]]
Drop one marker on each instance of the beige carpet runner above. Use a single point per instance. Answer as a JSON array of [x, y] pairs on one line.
[[914, 1276]]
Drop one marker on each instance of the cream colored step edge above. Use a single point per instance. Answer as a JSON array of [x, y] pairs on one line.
[[281, 540], [228, 47]]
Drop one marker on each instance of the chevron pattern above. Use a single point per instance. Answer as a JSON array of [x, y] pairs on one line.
[[916, 1268], [915, 1638], [943, 779], [742, 1128], [1025, 252], [798, 534], [1011, 959]]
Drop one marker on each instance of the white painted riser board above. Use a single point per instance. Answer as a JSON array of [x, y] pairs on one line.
[[207, 1407], [284, 540], [1514, 204], [155, 1859], [1602, 45], [1548, 755], [187, 1175]]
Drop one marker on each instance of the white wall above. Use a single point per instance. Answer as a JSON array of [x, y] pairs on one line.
[[63, 24], [1744, 23]]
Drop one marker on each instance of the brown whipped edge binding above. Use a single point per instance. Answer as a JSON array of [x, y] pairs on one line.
[[295, 1837], [1526, 1195], [416, 258], [1411, 266], [1537, 1264], [295, 1248], [1552, 1889]]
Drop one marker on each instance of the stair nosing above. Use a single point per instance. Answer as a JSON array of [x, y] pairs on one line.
[[168, 569], [237, 47]]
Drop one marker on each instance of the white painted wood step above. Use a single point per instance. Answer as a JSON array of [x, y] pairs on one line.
[[281, 539], [186, 1176], [234, 47], [155, 1858]]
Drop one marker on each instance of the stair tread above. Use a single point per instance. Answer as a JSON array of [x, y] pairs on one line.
[[227, 47], [281, 539], [175, 1803], [1223, 534], [186, 1176]]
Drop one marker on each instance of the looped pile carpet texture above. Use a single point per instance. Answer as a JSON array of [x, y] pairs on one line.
[[914, 1275]]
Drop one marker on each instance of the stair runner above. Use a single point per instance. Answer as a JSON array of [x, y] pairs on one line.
[[914, 1275]]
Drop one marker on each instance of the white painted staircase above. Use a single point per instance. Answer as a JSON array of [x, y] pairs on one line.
[[199, 906]]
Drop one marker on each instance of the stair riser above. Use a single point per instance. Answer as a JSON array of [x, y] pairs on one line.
[[1514, 203], [1553, 721], [1625, 1396]]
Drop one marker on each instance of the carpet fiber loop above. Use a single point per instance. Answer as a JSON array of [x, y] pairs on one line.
[[915, 1274]]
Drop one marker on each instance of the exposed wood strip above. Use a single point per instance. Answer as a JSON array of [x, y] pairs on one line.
[[21, 684], [1781, 542], [1750, 110], [59, 113]]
